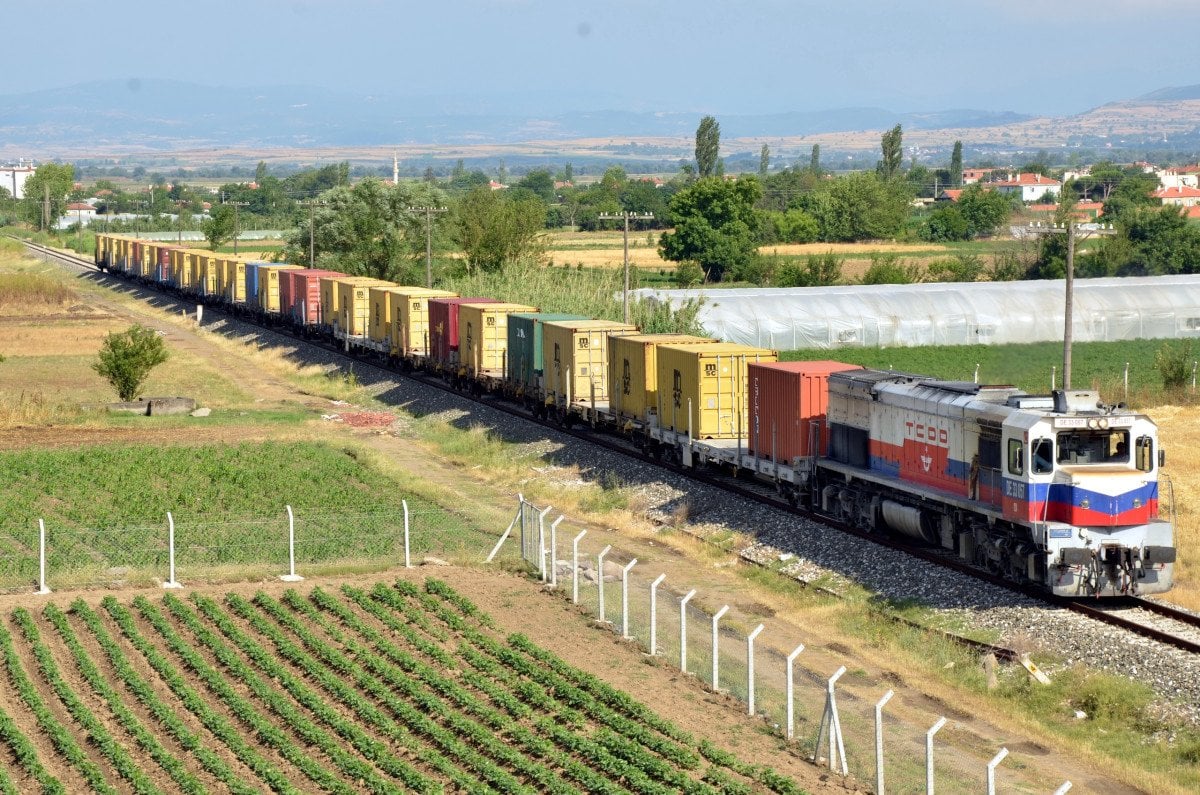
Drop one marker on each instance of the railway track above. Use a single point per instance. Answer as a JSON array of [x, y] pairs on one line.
[[1150, 619]]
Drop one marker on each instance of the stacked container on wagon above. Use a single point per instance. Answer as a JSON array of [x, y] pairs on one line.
[[575, 365], [523, 370], [443, 332], [483, 341], [410, 323], [300, 295]]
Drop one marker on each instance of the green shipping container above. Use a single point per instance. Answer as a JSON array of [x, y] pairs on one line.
[[525, 347]]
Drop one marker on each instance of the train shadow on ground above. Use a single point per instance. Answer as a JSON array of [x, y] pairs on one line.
[[847, 557]]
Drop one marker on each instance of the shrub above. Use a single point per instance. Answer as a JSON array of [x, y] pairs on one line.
[[688, 274], [890, 269], [1174, 364], [127, 357], [959, 268]]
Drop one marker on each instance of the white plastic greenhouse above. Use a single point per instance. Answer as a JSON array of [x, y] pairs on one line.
[[988, 313]]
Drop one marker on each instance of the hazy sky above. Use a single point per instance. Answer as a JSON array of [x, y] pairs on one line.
[[720, 56]]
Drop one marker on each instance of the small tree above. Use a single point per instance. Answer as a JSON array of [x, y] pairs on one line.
[[126, 359], [218, 229], [1174, 364]]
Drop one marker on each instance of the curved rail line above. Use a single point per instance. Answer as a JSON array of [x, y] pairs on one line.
[[758, 495]]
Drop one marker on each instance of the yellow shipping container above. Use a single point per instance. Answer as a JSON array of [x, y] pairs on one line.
[[268, 285], [711, 379], [149, 260], [352, 302], [195, 265], [633, 371], [177, 275], [575, 358], [382, 300], [210, 275], [410, 319], [233, 281], [483, 336]]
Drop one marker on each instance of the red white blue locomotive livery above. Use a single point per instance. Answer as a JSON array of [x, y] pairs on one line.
[[1061, 490]]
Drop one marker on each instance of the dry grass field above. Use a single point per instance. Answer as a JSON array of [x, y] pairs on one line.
[[1179, 433]]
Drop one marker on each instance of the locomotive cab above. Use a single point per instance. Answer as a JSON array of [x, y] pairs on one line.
[[1084, 478]]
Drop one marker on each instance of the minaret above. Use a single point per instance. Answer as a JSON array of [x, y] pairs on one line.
[[395, 168]]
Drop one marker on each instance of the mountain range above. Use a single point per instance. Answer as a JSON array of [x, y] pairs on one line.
[[123, 118]]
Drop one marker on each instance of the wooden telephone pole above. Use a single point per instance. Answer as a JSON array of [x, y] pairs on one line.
[[626, 216]]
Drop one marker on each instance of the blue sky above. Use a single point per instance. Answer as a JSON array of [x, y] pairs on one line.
[[718, 56]]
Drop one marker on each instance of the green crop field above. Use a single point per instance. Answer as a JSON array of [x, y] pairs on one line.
[[105, 510], [395, 689], [1094, 365]]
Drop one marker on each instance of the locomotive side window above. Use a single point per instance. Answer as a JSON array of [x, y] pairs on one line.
[[1016, 457], [1043, 456], [1144, 453]]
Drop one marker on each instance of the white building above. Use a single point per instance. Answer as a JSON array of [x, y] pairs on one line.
[[12, 178], [1030, 187]]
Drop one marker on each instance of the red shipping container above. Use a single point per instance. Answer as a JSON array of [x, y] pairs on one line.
[[443, 326], [162, 271], [786, 399], [300, 294]]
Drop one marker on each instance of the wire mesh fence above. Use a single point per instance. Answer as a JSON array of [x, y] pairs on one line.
[[314, 542], [675, 623]]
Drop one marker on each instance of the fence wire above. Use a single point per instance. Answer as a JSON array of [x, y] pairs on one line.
[[207, 549], [960, 755]]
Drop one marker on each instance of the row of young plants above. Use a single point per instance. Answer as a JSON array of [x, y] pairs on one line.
[[334, 683], [197, 704], [145, 739], [601, 702], [116, 755], [374, 751], [559, 699], [11, 735], [605, 693], [431, 692], [248, 712], [504, 721], [165, 715], [60, 737]]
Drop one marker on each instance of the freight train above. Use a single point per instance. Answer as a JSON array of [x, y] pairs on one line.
[[1060, 490]]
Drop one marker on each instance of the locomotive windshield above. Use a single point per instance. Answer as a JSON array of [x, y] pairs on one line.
[[1093, 446]]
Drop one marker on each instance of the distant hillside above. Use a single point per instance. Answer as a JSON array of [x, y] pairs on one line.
[[164, 120]]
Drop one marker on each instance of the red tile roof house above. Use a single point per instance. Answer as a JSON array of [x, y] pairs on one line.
[[1182, 196], [1030, 187]]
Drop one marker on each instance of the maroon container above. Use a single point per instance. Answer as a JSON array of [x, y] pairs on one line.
[[786, 400], [300, 294], [443, 327], [162, 270]]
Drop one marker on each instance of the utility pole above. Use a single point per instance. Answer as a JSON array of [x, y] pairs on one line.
[[237, 229], [312, 205], [626, 216], [429, 211], [1074, 231], [45, 207]]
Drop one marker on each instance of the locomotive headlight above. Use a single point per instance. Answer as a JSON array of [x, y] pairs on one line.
[[1103, 422], [1093, 424], [1085, 503]]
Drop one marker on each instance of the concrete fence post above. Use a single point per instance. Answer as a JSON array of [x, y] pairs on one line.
[[542, 542], [716, 656], [991, 770], [407, 559], [750, 668], [171, 581], [42, 587], [879, 740], [1064, 789], [600, 579], [654, 613], [791, 691], [291, 576], [929, 754], [683, 629], [625, 598], [554, 551], [575, 567]]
